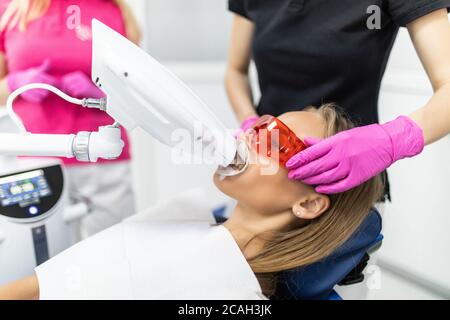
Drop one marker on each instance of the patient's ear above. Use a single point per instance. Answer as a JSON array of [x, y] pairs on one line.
[[311, 207]]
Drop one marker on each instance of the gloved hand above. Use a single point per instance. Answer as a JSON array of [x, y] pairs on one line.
[[18, 79], [77, 84], [348, 159], [247, 124]]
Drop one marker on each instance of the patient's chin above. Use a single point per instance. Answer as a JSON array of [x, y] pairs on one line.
[[231, 186], [221, 185], [222, 182]]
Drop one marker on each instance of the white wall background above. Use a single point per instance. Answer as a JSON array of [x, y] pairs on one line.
[[191, 37], [194, 30], [417, 246]]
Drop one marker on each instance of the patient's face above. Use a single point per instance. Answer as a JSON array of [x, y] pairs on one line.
[[274, 192]]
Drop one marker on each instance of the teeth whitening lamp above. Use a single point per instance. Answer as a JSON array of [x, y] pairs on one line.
[[140, 92]]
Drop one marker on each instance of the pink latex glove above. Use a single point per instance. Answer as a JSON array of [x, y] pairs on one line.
[[39, 74], [348, 159], [77, 84], [246, 124]]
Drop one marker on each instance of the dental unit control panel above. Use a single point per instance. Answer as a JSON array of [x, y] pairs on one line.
[[33, 222], [28, 194]]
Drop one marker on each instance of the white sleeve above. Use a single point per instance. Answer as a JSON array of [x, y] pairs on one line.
[[190, 206], [96, 268], [151, 260]]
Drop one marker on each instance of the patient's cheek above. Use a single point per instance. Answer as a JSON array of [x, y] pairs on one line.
[[263, 175]]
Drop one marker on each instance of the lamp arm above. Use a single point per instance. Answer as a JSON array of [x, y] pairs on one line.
[[84, 146]]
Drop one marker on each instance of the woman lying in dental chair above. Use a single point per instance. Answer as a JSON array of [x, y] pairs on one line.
[[277, 225]]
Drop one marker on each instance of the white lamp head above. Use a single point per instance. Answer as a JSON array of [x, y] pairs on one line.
[[143, 93]]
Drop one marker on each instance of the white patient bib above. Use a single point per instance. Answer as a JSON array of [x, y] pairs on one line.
[[154, 256]]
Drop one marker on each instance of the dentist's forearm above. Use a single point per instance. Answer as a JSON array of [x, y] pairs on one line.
[[431, 38], [434, 118], [240, 94]]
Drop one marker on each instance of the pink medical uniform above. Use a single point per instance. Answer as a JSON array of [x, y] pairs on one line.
[[56, 36]]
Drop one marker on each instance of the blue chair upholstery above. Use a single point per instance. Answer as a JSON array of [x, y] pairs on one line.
[[316, 281], [334, 296]]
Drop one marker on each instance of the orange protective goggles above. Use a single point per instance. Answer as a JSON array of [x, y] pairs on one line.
[[274, 139]]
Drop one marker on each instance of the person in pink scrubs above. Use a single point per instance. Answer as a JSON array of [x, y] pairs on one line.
[[50, 41]]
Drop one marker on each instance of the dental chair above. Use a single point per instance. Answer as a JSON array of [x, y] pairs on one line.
[[342, 268], [141, 93]]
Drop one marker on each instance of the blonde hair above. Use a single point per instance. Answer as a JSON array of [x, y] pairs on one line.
[[21, 12], [321, 237]]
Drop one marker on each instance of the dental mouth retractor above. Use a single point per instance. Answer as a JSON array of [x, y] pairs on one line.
[[239, 164]]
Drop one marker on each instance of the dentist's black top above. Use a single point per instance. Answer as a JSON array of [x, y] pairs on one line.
[[310, 52]]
